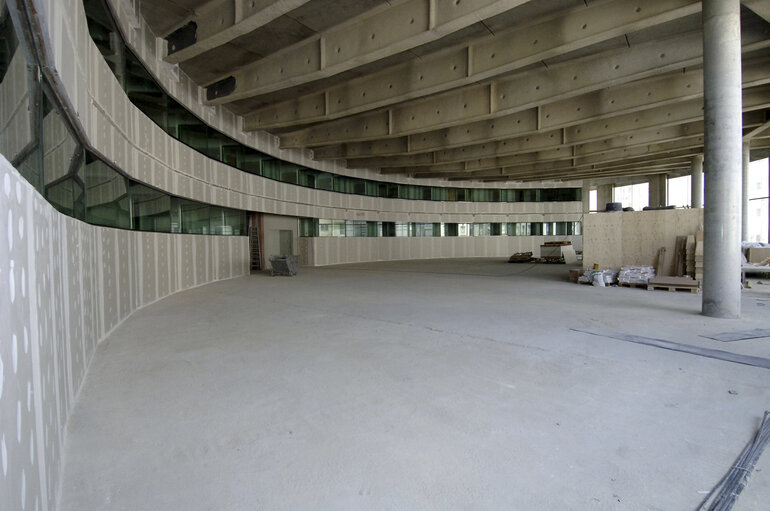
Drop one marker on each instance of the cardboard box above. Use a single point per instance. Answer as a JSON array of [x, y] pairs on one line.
[[757, 255]]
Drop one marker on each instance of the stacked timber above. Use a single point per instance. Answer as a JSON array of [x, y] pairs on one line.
[[698, 256], [690, 255], [680, 256], [674, 284]]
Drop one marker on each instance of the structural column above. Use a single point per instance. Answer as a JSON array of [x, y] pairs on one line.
[[723, 156], [603, 196], [586, 196], [745, 193], [657, 191], [696, 182]]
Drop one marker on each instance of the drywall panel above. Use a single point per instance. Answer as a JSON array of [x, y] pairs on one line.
[[65, 285], [612, 240], [324, 251]]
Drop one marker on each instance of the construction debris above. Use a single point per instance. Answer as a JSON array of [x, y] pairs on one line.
[[521, 257]]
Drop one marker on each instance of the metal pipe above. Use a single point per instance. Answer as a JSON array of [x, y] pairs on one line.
[[723, 156]]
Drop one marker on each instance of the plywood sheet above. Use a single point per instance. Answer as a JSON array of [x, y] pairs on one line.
[[612, 240]]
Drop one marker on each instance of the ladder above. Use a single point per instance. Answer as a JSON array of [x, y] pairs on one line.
[[254, 249]]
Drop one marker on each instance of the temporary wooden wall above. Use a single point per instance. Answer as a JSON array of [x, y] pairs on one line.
[[612, 240]]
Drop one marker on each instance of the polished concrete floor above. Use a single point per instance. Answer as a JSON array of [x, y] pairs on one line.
[[453, 384]]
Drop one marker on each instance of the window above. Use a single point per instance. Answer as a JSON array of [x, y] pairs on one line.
[[331, 228], [635, 196], [679, 191], [77, 182], [355, 228], [150, 209], [758, 199]]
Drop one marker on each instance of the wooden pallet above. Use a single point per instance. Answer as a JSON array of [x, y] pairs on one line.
[[632, 284], [651, 287]]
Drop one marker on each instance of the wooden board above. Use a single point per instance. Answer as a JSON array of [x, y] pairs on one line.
[[674, 284], [612, 240], [674, 281]]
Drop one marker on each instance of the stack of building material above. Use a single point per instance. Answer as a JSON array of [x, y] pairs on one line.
[[674, 284], [610, 276], [521, 257], [698, 256], [680, 256], [757, 254], [553, 248], [691, 255], [635, 275]]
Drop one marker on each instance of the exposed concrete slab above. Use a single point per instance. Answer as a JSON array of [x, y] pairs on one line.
[[445, 384]]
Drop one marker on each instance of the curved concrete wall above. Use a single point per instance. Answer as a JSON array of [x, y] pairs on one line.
[[64, 285], [129, 139]]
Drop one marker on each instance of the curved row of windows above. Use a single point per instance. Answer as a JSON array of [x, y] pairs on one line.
[[40, 142], [147, 95], [314, 227]]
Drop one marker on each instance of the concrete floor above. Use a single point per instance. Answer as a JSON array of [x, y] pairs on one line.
[[452, 384]]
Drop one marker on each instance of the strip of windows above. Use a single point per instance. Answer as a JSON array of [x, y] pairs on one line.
[[146, 94], [314, 227], [39, 141]]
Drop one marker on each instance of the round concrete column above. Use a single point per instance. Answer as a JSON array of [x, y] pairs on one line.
[[586, 196], [723, 155], [745, 193], [696, 182], [603, 196]]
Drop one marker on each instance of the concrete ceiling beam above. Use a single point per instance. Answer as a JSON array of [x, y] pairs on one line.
[[760, 7], [673, 158], [756, 132], [609, 102], [220, 21], [628, 125], [660, 160], [598, 174], [564, 174], [473, 62], [588, 153], [514, 94], [377, 34]]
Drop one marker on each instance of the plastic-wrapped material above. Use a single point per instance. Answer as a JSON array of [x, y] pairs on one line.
[[636, 274], [608, 277]]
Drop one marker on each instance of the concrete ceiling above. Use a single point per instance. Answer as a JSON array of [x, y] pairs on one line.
[[492, 90]]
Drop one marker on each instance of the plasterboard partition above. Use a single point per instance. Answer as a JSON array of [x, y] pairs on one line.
[[129, 139], [327, 251], [66, 284], [612, 240]]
